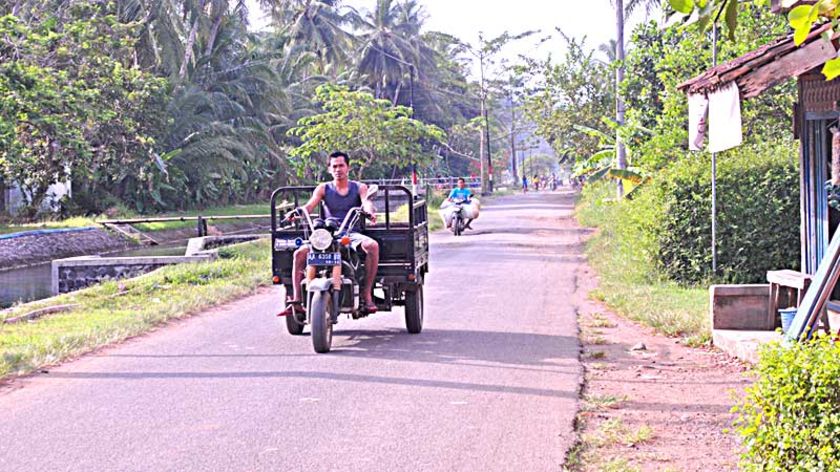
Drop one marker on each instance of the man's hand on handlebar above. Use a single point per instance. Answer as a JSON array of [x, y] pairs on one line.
[[290, 216]]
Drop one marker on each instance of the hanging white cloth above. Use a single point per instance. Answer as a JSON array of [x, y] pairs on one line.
[[698, 108], [725, 118]]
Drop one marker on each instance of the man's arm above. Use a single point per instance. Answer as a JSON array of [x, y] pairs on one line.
[[315, 199], [367, 205]]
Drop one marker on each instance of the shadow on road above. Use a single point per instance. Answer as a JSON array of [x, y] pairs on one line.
[[495, 350], [330, 376], [540, 351]]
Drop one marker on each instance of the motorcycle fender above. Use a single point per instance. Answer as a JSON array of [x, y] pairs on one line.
[[319, 285]]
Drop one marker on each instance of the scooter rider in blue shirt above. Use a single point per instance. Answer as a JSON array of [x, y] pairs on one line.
[[461, 194]]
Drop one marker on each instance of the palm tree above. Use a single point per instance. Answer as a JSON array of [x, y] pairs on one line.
[[318, 26], [609, 50], [389, 38], [647, 5], [159, 46]]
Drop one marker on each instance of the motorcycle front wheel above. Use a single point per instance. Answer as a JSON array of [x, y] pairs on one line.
[[320, 321]]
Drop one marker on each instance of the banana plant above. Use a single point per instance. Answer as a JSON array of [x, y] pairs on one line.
[[601, 164]]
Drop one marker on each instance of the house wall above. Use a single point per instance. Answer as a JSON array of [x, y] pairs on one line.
[[816, 113], [13, 197]]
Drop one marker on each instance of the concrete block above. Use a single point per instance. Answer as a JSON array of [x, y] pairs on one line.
[[743, 344], [742, 307]]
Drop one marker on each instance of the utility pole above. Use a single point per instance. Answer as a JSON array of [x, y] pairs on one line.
[[484, 148], [714, 155], [513, 138]]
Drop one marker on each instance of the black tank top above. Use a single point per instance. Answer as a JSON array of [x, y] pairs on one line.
[[336, 205]]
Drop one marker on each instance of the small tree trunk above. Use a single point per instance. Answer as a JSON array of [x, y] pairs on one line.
[[483, 145], [620, 151], [396, 94], [214, 31], [188, 50]]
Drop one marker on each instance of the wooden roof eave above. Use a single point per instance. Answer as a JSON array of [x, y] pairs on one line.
[[767, 66]]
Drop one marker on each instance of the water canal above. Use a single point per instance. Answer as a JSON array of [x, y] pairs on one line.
[[33, 283]]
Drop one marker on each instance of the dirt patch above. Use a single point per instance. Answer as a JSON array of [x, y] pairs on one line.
[[651, 403]]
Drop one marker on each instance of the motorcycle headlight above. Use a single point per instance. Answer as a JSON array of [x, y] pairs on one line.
[[320, 239]]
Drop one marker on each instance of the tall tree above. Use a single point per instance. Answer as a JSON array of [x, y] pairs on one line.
[[372, 131], [318, 26], [620, 150], [389, 46], [566, 94]]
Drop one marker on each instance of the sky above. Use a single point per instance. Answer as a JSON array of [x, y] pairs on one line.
[[594, 19]]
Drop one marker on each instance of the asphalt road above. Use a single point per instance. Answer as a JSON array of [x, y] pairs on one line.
[[490, 384]]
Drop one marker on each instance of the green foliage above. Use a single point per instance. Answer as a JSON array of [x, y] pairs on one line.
[[154, 105], [627, 226], [757, 222], [664, 232], [72, 104], [661, 60], [801, 18], [567, 94], [371, 131], [789, 418]]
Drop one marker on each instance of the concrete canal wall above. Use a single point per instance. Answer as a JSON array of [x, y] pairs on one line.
[[206, 243], [79, 272], [32, 247]]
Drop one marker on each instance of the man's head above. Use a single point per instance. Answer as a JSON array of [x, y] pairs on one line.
[[461, 182], [339, 165]]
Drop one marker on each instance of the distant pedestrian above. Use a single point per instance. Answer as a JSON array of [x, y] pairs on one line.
[[536, 183], [524, 184]]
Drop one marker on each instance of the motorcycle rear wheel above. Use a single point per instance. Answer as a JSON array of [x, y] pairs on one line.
[[293, 326], [414, 310]]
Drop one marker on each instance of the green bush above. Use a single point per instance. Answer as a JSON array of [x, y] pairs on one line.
[[757, 220], [667, 225], [790, 417], [665, 229]]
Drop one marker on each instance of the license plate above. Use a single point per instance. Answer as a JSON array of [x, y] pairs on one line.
[[323, 259]]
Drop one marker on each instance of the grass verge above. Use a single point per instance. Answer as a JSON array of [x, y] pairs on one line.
[[628, 284], [603, 449], [114, 311]]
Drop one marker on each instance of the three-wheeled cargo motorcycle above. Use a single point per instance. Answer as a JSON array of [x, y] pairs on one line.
[[335, 271]]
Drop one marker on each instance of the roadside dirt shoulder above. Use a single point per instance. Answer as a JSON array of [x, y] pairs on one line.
[[650, 403]]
